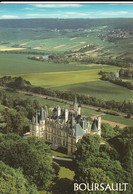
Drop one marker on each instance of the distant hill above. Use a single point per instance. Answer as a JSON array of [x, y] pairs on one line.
[[123, 23]]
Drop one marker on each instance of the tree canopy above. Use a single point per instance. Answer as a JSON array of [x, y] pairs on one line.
[[13, 181], [32, 155]]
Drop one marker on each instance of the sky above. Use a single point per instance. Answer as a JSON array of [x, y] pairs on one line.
[[61, 10]]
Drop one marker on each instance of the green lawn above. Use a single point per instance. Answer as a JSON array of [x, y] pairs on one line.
[[66, 173], [59, 154]]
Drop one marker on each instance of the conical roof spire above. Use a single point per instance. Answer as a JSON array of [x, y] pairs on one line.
[[94, 126], [42, 114], [75, 101]]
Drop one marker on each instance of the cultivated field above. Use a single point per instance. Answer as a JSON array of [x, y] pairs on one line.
[[83, 79], [10, 49], [45, 40]]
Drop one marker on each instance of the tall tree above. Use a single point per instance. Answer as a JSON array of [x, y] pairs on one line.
[[13, 181]]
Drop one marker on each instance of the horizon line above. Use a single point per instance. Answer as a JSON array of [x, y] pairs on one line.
[[67, 18]]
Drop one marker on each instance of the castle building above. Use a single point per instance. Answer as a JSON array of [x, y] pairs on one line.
[[63, 127]]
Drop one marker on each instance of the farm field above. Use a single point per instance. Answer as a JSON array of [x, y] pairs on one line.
[[100, 89], [16, 64], [46, 40], [81, 78], [61, 44]]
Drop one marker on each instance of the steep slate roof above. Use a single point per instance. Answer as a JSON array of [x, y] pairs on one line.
[[79, 131], [94, 126]]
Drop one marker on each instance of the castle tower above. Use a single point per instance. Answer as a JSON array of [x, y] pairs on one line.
[[66, 115]]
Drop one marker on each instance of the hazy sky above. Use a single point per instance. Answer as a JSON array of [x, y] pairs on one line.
[[13, 11]]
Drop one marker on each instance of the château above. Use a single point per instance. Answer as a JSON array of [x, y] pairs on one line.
[[63, 127]]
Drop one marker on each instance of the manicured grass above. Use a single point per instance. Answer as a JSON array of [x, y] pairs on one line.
[[59, 154], [66, 173]]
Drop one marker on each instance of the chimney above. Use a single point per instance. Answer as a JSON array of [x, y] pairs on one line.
[[66, 115], [99, 125], [58, 110], [79, 110]]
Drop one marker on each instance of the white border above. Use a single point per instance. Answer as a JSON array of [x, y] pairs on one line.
[[66, 2]]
